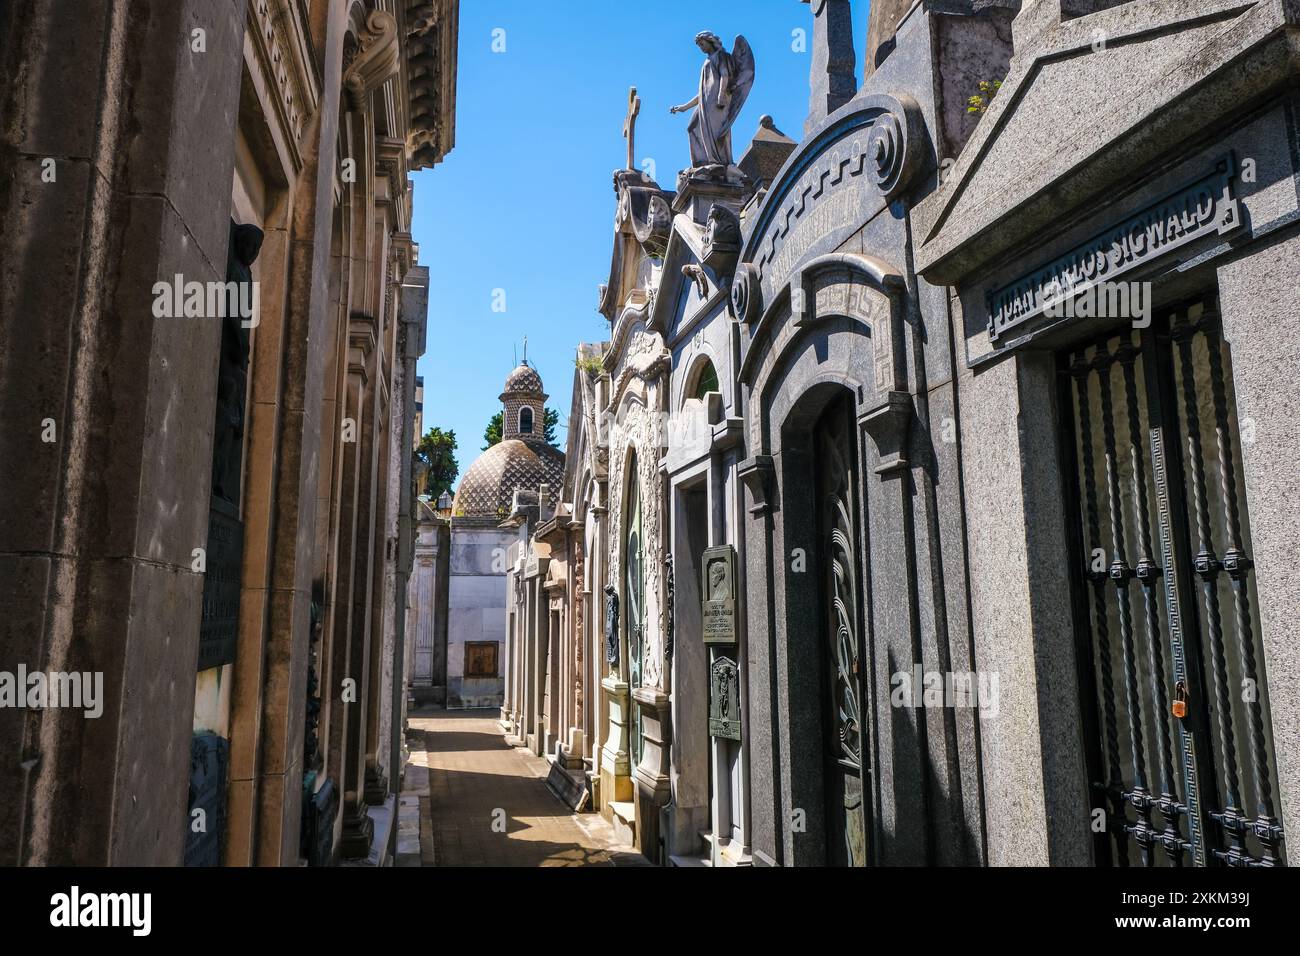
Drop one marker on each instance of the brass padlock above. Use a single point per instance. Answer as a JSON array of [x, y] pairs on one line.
[[1180, 700]]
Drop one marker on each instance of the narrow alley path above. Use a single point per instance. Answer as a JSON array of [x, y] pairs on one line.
[[475, 780]]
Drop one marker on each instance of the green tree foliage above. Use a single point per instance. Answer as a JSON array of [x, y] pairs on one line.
[[437, 451], [492, 434], [552, 420]]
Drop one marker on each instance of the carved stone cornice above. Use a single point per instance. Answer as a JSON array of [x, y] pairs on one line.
[[404, 252], [282, 49], [432, 27], [376, 60]]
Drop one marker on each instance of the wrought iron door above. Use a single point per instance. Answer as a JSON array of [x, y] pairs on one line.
[[634, 600], [1175, 701], [846, 801]]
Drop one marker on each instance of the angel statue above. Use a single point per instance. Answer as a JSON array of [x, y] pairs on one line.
[[725, 82]]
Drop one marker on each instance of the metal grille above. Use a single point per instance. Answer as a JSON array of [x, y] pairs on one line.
[[1181, 753]]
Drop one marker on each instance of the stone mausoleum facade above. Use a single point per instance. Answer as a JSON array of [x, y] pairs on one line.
[[929, 501]]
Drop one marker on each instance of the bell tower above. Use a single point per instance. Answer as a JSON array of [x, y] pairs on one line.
[[523, 405]]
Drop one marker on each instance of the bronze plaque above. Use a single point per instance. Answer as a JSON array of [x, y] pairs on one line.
[[724, 699], [481, 659], [720, 595]]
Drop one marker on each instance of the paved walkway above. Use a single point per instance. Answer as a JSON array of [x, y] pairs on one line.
[[488, 803]]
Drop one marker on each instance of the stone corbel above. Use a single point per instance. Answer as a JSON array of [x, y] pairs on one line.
[[889, 425], [361, 342], [728, 433], [722, 240], [377, 59], [697, 275], [757, 474]]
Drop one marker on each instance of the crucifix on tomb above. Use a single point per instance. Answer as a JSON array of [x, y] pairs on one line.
[[629, 125]]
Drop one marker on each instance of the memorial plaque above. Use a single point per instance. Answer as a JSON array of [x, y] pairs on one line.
[[719, 595], [724, 699], [209, 758]]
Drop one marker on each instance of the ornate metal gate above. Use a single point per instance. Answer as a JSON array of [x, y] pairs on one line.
[[1175, 701], [846, 799]]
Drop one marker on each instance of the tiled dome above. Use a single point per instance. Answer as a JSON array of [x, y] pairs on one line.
[[490, 483], [523, 379]]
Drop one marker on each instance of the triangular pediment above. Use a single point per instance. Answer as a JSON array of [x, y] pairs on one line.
[[1063, 132]]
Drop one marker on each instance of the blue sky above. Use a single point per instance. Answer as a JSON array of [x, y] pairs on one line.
[[525, 201]]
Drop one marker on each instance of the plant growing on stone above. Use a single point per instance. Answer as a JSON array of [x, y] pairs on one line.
[[591, 365], [980, 102]]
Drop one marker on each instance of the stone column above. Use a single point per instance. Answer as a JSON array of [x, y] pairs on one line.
[[1034, 778], [106, 436], [575, 742], [356, 823], [653, 782], [615, 765], [340, 712], [384, 504], [1261, 323], [270, 720]]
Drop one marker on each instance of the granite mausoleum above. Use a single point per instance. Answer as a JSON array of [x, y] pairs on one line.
[[928, 502]]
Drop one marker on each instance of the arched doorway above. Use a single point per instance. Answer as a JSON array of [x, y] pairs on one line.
[[840, 634]]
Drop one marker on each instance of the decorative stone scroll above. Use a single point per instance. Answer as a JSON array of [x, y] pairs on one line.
[[377, 59], [746, 293], [868, 153]]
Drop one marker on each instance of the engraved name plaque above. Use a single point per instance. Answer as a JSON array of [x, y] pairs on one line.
[[719, 595], [1203, 208]]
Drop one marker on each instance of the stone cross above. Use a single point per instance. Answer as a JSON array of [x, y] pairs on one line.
[[629, 126]]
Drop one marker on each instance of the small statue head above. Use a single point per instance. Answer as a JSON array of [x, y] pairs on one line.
[[708, 41], [246, 242]]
